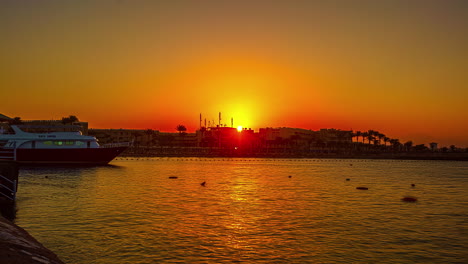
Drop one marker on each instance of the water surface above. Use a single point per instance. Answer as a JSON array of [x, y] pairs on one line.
[[249, 211]]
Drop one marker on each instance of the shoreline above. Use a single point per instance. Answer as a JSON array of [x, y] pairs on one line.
[[180, 152]]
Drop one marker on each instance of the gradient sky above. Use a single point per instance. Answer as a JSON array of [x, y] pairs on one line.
[[398, 67]]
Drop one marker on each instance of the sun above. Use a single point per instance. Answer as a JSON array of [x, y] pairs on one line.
[[239, 128]]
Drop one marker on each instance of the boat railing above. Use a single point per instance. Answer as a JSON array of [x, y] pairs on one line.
[[8, 192], [8, 152], [114, 145]]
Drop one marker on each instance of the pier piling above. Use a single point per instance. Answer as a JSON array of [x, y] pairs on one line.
[[8, 188]]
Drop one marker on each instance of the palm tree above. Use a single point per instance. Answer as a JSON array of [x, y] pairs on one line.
[[408, 145], [370, 136], [364, 136], [358, 134], [395, 143], [380, 136], [385, 140]]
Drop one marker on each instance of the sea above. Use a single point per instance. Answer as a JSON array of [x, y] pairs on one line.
[[249, 210]]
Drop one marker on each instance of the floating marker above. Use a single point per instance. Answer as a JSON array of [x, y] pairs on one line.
[[409, 199], [362, 188]]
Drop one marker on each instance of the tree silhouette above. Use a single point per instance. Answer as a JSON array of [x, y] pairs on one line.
[[364, 136], [370, 136], [17, 121], [358, 134], [73, 119], [421, 148], [181, 129], [408, 145], [452, 148], [385, 140], [380, 136], [395, 144], [69, 120]]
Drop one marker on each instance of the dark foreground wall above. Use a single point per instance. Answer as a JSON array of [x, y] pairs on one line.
[[17, 246]]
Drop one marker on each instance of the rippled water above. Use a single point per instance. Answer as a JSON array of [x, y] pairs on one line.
[[250, 211]]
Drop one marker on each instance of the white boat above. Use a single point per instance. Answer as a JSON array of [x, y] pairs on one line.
[[56, 148]]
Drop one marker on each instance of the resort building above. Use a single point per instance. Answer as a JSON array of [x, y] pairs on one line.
[[335, 135], [287, 137], [145, 137], [105, 136], [44, 126]]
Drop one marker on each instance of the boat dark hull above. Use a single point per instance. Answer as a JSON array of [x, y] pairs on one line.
[[78, 156]]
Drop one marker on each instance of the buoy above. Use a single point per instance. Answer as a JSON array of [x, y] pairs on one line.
[[347, 179], [173, 177], [409, 199], [412, 185], [362, 188], [203, 183], [289, 176]]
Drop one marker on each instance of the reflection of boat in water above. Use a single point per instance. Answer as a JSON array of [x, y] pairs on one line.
[[56, 148]]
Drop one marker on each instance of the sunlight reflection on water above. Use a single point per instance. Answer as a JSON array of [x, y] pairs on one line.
[[249, 211]]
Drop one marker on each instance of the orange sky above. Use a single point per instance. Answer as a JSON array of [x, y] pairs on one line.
[[398, 67]]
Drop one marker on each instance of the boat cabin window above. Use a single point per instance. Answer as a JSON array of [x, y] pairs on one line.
[[63, 143]]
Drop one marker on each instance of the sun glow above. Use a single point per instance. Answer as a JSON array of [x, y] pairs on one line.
[[239, 128]]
